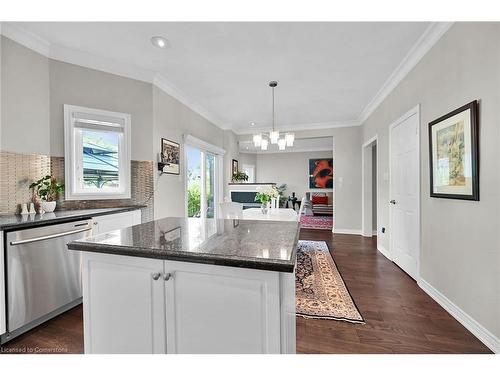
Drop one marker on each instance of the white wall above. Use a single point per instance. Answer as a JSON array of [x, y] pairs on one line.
[[290, 168], [460, 250], [232, 152], [25, 99], [73, 84], [172, 120]]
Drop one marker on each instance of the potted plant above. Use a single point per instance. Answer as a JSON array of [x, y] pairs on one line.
[[264, 195], [240, 177], [48, 190]]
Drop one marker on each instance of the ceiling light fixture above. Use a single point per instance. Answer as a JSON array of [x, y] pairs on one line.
[[281, 144], [274, 134], [159, 41], [263, 145], [259, 139]]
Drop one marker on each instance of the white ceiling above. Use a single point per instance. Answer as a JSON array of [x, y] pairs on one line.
[[328, 73], [300, 145]]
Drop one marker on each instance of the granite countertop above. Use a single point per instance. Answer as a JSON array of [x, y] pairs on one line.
[[259, 244], [10, 222]]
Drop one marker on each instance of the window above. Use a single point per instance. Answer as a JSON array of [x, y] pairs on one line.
[[203, 170], [97, 153]]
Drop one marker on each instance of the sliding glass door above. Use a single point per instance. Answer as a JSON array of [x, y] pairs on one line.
[[202, 176]]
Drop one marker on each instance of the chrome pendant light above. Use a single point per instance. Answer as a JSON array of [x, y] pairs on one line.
[[261, 141], [274, 134]]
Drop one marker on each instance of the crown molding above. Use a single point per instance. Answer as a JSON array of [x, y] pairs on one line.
[[163, 84], [298, 127], [426, 41], [287, 150], [25, 38]]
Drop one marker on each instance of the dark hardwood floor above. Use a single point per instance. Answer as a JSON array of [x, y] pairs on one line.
[[400, 317]]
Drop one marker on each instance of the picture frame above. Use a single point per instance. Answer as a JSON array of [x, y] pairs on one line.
[[454, 154], [170, 156], [234, 167], [321, 173]]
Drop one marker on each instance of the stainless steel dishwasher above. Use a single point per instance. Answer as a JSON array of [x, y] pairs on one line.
[[43, 276]]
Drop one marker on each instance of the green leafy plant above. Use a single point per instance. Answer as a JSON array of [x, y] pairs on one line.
[[265, 194], [194, 203], [47, 188], [240, 176], [262, 198]]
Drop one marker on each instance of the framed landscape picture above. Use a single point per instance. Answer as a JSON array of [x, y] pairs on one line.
[[454, 154], [321, 173], [170, 156]]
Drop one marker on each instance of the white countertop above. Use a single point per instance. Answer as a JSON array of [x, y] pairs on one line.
[[277, 214]]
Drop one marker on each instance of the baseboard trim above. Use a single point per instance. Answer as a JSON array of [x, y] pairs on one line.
[[485, 336], [384, 252], [347, 231]]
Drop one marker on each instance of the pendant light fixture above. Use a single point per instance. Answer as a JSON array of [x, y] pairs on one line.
[[262, 141], [273, 134], [289, 138], [257, 140]]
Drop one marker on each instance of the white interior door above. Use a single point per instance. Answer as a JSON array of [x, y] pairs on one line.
[[404, 192]]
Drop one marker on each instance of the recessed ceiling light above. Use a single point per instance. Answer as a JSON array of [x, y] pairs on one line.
[[252, 123], [160, 42]]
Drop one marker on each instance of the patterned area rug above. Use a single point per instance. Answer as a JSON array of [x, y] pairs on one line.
[[316, 222], [320, 290]]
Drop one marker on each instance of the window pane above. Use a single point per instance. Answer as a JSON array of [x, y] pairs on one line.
[[210, 184], [194, 182], [100, 160]]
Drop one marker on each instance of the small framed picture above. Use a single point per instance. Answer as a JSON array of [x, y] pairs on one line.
[[170, 156], [454, 154], [234, 166]]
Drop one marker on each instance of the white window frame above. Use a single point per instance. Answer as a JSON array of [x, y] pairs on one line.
[[101, 120], [205, 147]]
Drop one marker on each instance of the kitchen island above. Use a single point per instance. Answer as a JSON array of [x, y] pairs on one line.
[[190, 285]]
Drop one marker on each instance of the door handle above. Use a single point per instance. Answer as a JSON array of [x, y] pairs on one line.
[[167, 276], [155, 276], [392, 201]]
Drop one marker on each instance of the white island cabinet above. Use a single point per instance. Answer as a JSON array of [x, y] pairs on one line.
[[190, 286], [138, 305]]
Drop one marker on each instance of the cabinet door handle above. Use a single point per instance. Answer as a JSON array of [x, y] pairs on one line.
[[156, 275], [167, 276]]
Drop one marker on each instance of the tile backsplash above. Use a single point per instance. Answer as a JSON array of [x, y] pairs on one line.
[[18, 171]]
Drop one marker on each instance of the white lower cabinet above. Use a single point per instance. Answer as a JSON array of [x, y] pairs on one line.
[[123, 304], [215, 309], [3, 326], [107, 223], [190, 308]]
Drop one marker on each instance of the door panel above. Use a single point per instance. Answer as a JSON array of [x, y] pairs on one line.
[[405, 187], [137, 303], [212, 309]]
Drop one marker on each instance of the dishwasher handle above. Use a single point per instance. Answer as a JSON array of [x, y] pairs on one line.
[[48, 237]]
